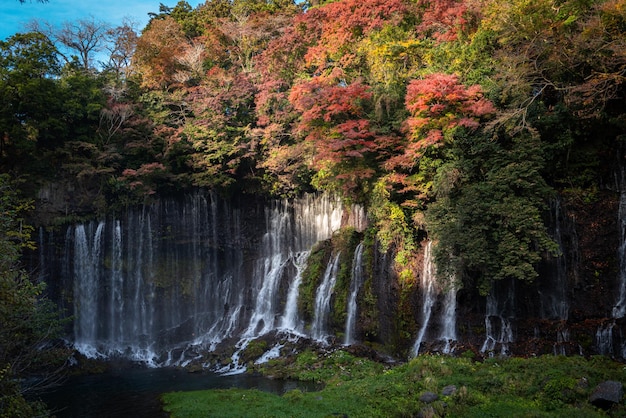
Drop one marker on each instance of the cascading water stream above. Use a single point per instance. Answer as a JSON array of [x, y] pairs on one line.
[[356, 281], [87, 253], [553, 293], [116, 286], [177, 277], [268, 272], [322, 300], [433, 289], [312, 221], [429, 296], [553, 288], [448, 319], [498, 326], [290, 321]]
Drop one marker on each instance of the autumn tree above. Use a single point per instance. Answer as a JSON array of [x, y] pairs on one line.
[[334, 120], [120, 46], [218, 135], [157, 53], [443, 20], [439, 106]]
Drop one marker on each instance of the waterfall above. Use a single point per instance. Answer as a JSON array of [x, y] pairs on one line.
[[432, 291], [604, 338], [169, 279], [286, 242], [562, 339], [498, 326], [356, 280], [268, 272], [619, 310], [322, 300], [448, 319], [116, 288], [290, 321], [429, 295], [87, 253]]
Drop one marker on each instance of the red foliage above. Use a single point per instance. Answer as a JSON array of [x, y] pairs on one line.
[[443, 19], [333, 119], [344, 22], [325, 32], [438, 103], [144, 179]]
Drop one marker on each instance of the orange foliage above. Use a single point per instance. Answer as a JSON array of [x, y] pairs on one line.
[[157, 51]]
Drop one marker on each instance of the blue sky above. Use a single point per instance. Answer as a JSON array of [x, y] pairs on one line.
[[14, 15]]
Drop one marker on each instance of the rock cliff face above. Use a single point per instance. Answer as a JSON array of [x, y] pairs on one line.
[[165, 282]]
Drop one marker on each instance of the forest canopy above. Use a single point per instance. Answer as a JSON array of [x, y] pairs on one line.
[[452, 119]]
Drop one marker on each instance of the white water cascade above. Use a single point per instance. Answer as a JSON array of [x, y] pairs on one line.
[[433, 289], [356, 280], [448, 319], [167, 280], [290, 320], [498, 325], [429, 295], [87, 252], [268, 271], [322, 300]]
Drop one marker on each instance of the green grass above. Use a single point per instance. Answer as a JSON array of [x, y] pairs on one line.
[[547, 386]]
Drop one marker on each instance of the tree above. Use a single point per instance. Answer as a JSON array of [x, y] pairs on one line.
[[487, 220], [333, 119], [443, 19], [438, 105], [121, 44], [158, 51], [219, 133], [28, 321], [28, 93], [76, 40]]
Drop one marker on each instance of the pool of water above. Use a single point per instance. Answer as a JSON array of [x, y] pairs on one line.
[[135, 392]]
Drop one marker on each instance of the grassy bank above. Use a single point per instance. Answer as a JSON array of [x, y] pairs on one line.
[[429, 386]]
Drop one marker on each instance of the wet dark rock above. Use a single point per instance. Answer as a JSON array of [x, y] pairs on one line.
[[606, 394], [448, 390], [428, 397]]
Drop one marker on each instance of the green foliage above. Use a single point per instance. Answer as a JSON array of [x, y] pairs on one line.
[[28, 96], [345, 242], [548, 386], [28, 319], [490, 221], [311, 278], [395, 231]]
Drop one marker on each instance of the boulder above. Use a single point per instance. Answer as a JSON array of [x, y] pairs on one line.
[[607, 394], [448, 390], [428, 397]]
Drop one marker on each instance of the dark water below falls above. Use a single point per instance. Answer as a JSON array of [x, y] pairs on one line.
[[135, 392]]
